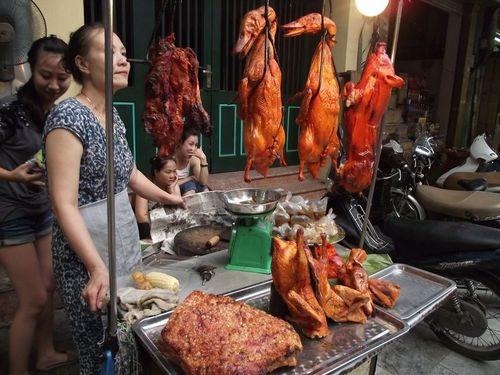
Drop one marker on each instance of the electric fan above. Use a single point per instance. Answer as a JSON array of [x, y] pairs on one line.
[[21, 23]]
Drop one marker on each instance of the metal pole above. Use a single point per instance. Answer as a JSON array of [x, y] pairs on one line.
[[378, 148], [110, 178]]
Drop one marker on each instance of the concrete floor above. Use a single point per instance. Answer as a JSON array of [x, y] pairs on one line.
[[418, 352]]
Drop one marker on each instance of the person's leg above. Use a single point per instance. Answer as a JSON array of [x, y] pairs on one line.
[[21, 264], [86, 327], [188, 188], [200, 188], [47, 356]]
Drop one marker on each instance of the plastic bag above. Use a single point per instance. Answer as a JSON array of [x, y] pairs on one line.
[[302, 220], [280, 216]]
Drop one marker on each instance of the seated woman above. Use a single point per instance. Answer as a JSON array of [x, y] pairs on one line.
[[164, 175], [192, 166]]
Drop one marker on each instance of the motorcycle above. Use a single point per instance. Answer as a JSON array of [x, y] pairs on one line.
[[470, 254], [412, 197], [478, 172], [466, 252]]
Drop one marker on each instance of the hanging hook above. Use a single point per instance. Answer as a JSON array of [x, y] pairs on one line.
[[323, 41], [172, 15], [266, 41]]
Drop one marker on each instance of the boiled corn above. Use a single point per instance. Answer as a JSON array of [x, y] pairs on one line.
[[163, 281], [140, 281]]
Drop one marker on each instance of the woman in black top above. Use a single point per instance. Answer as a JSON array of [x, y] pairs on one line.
[[25, 214]]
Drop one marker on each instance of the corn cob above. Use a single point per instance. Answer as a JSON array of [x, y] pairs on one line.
[[163, 281], [140, 281]]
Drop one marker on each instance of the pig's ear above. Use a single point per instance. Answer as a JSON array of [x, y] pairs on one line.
[[394, 81]]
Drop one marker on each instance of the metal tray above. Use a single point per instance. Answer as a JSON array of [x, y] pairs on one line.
[[345, 346], [421, 291]]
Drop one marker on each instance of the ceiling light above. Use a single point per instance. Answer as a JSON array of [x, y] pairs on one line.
[[371, 8]]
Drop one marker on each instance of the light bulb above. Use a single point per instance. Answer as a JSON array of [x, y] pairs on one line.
[[371, 8]]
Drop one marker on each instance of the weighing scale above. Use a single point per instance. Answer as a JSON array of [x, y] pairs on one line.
[[251, 240]]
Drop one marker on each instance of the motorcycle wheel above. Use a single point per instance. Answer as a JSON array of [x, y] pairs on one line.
[[486, 347], [403, 206]]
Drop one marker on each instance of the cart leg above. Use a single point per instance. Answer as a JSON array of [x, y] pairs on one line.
[[373, 365]]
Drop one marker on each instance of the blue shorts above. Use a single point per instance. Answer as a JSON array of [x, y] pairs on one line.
[[25, 229], [192, 185]]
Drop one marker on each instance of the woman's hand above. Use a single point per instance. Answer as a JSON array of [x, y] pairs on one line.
[[97, 287], [174, 200], [23, 173], [200, 155]]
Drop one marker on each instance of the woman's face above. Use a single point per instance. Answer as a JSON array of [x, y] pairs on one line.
[[50, 78], [95, 62], [167, 175], [190, 145]]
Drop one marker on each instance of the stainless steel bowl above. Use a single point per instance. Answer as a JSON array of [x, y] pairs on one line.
[[250, 201]]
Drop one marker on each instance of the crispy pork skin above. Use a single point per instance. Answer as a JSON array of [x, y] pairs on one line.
[[209, 334]]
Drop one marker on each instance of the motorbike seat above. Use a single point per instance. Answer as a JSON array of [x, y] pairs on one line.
[[492, 179], [469, 205], [479, 184], [416, 238]]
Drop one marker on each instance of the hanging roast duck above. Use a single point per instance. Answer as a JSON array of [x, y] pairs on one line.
[[366, 102], [319, 109], [259, 92], [172, 95]]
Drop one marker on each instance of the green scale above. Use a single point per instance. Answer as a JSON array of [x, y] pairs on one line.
[[251, 240]]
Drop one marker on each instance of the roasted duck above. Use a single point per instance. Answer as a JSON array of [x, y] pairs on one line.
[[366, 103], [319, 109], [341, 304], [259, 93], [292, 281], [209, 334], [172, 95], [355, 276]]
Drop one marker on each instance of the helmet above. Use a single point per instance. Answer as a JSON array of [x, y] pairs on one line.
[[481, 149]]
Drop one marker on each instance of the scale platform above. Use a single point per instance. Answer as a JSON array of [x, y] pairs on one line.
[[251, 241]]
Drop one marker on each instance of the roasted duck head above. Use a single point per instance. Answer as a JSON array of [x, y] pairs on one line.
[[310, 24], [252, 25], [173, 95], [366, 103], [320, 104], [259, 93], [292, 281]]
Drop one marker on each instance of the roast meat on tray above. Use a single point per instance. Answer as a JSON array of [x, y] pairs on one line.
[[210, 334]]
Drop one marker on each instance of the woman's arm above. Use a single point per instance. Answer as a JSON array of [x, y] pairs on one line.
[[175, 189], [185, 179], [63, 155], [148, 190], [199, 166], [141, 210]]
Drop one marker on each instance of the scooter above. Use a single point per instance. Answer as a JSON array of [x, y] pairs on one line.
[[468, 253], [480, 171], [411, 196]]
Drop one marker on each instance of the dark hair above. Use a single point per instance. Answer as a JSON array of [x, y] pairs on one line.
[[158, 163], [79, 45], [27, 94], [188, 132]]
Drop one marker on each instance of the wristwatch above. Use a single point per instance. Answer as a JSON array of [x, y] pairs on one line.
[[203, 165]]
